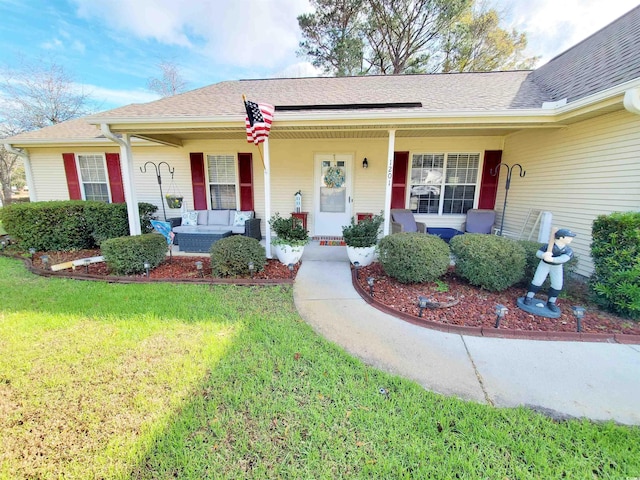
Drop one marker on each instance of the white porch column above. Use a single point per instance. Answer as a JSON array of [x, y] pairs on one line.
[[126, 166], [387, 195], [267, 197], [28, 173]]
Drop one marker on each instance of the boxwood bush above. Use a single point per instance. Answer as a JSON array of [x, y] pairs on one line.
[[615, 249], [413, 257], [126, 255], [488, 261], [230, 256], [71, 224]]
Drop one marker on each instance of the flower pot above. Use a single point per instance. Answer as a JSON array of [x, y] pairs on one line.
[[365, 256], [287, 254], [174, 202]]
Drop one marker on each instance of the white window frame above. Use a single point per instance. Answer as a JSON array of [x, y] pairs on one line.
[[83, 183], [443, 182], [236, 185]]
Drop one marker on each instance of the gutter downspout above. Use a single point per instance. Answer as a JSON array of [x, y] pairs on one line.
[[28, 173], [632, 100], [126, 165]]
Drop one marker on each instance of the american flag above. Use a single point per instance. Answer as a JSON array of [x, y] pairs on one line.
[[258, 121]]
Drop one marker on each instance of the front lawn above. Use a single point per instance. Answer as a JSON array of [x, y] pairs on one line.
[[190, 381]]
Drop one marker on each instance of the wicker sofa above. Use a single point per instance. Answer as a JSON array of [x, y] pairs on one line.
[[213, 223]]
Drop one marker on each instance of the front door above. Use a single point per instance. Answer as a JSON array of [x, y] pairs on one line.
[[332, 193]]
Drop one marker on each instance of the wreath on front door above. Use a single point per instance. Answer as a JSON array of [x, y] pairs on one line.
[[334, 177]]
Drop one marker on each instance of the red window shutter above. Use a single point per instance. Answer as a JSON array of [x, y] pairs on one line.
[[198, 181], [115, 177], [70, 170], [245, 179], [399, 179], [489, 183]]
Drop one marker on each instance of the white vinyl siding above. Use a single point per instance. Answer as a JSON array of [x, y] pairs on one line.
[[584, 170], [93, 177], [222, 181], [443, 184]]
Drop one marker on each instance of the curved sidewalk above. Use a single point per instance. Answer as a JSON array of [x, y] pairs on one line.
[[600, 381]]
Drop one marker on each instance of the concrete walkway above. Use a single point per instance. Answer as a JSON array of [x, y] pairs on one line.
[[600, 381]]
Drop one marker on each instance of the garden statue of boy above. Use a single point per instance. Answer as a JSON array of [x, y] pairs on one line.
[[552, 257]]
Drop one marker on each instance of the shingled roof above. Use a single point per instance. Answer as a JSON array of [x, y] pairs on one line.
[[436, 93], [609, 57]]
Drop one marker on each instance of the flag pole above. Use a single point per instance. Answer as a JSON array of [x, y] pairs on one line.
[[264, 166]]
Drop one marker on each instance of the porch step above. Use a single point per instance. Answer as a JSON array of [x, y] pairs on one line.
[[329, 241]]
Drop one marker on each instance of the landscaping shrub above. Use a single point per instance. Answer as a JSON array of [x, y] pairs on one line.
[[615, 249], [531, 263], [70, 224], [230, 256], [488, 261], [126, 255], [364, 233], [57, 225], [413, 257]]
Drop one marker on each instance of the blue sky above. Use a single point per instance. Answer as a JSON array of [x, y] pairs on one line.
[[112, 47]]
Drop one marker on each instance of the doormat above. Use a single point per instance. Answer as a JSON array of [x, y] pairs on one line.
[[330, 241]]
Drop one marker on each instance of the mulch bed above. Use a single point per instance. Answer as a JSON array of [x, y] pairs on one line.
[[473, 307], [178, 267]]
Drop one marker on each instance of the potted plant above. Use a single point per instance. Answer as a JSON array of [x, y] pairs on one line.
[[290, 239], [173, 201], [361, 239]]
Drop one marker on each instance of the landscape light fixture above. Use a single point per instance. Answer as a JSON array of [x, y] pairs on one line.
[[356, 266], [86, 262], [365, 163], [501, 311], [252, 269], [32, 252], [423, 302], [578, 311], [199, 269], [290, 266], [370, 281], [45, 261], [147, 267]]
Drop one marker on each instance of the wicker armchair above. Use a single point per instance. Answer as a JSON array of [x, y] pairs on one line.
[[402, 220]]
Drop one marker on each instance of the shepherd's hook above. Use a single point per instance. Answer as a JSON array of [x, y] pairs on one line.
[[493, 173], [157, 166]]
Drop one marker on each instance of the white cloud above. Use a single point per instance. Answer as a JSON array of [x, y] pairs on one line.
[[297, 70], [53, 44], [233, 32], [553, 26], [108, 98]]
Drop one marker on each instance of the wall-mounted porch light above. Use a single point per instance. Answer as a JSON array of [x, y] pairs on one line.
[[365, 163]]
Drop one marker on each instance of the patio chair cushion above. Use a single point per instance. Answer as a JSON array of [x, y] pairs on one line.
[[480, 220], [406, 219], [240, 217]]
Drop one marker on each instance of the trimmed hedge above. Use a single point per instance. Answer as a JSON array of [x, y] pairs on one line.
[[70, 224], [230, 256], [126, 255], [413, 257], [615, 249], [488, 261]]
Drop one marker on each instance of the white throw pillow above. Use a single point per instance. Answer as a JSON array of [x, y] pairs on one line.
[[241, 217], [190, 218]]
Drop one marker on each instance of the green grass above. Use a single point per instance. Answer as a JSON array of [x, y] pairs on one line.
[[186, 381]]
